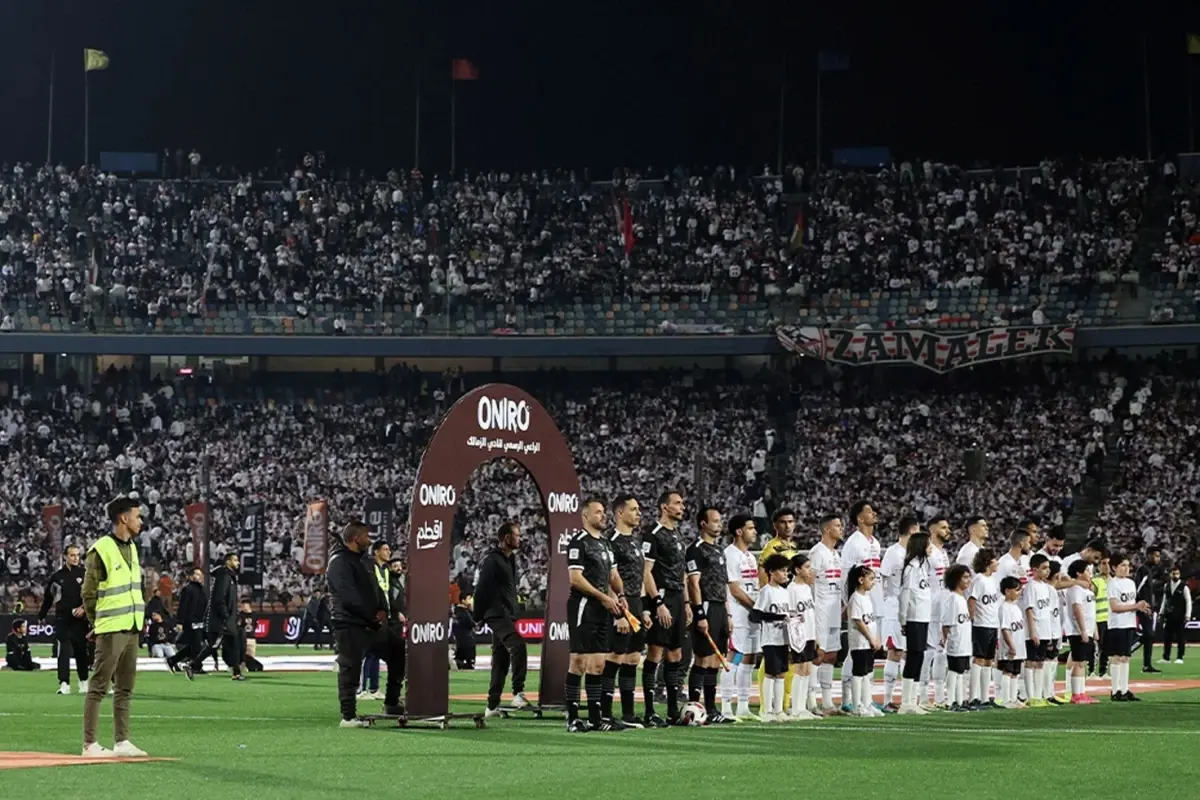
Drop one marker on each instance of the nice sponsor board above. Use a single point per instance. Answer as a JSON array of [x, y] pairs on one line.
[[500, 419]]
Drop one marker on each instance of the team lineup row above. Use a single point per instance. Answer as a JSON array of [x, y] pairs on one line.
[[987, 631]]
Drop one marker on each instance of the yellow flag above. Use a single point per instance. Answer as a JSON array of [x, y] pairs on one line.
[[94, 60], [1194, 44]]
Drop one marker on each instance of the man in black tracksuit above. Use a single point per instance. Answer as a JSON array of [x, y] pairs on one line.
[[1149, 580], [220, 619], [70, 621], [359, 619], [496, 604], [193, 600]]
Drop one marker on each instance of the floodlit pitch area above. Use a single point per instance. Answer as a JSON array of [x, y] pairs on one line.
[[277, 736]]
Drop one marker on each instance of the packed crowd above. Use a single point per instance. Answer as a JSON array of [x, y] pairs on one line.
[[833, 438], [1155, 499], [182, 246], [1178, 257]]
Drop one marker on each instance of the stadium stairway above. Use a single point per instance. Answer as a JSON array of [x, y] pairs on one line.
[[1135, 309], [1090, 498]]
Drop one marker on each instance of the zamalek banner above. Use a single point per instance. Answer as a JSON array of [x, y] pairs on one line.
[[316, 538], [197, 515], [940, 352]]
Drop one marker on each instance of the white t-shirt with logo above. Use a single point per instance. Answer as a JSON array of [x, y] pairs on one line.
[[1121, 590], [957, 619], [917, 595], [829, 586], [1040, 596], [802, 627], [860, 608], [1012, 619], [740, 567], [985, 589], [774, 600], [1087, 599]]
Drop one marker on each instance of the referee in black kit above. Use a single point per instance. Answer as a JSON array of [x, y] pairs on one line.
[[360, 624], [707, 585], [596, 607], [663, 548], [70, 621]]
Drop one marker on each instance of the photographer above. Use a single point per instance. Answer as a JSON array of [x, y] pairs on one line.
[[360, 623]]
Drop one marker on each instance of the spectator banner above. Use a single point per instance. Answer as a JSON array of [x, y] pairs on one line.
[[316, 538], [940, 352], [52, 518], [493, 421], [250, 539], [381, 519], [197, 515]]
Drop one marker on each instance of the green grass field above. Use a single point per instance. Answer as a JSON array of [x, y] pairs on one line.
[[276, 736]]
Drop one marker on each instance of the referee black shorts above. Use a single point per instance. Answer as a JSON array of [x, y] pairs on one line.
[[626, 643], [671, 637], [589, 626], [718, 630]]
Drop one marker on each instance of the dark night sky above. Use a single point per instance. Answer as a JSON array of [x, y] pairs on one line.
[[586, 83]]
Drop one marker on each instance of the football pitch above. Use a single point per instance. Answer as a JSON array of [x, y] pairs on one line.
[[276, 736]]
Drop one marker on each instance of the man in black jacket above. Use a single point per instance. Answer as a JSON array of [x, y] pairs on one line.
[[193, 600], [359, 619], [220, 619], [496, 605], [70, 621], [1150, 580]]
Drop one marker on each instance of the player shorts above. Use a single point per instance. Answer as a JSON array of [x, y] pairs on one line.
[[828, 639], [1081, 651], [1035, 653], [745, 637], [1118, 642], [1052, 649], [775, 659], [862, 662], [893, 637], [718, 631], [805, 656], [1011, 667], [589, 626], [958, 664], [626, 643], [673, 636], [983, 642]]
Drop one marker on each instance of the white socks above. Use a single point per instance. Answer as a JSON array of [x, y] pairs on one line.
[[997, 677], [976, 683], [1077, 685], [952, 683], [825, 679], [727, 692], [908, 692], [743, 677], [891, 673], [776, 695], [1118, 675], [938, 673], [767, 701], [799, 693], [1002, 694], [847, 683], [1049, 673]]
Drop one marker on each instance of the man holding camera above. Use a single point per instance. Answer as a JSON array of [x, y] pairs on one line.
[[359, 619]]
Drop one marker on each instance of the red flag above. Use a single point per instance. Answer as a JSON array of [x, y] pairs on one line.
[[627, 228], [462, 69], [797, 240]]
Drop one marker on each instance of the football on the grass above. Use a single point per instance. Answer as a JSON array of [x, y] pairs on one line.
[[694, 714]]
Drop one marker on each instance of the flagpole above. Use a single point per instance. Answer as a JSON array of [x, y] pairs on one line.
[[1146, 95], [1191, 98], [86, 118], [50, 112], [818, 117], [782, 94], [417, 123], [453, 141]]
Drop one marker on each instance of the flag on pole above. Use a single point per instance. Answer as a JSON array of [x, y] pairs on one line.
[[797, 240], [833, 61], [1193, 44], [94, 60], [462, 69]]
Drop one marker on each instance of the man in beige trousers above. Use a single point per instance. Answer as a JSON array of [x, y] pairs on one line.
[[115, 603]]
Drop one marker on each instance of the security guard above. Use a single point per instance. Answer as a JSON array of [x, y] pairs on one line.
[[115, 603], [1100, 585]]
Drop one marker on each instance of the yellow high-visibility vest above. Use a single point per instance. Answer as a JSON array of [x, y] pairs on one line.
[[120, 603], [383, 576], [1100, 583]]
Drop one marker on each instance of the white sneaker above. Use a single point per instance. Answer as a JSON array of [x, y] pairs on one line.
[[803, 715], [363, 696], [94, 750], [1015, 705], [768, 718], [64, 688], [376, 695], [1163, 661], [520, 700], [746, 715], [354, 723], [488, 713], [112, 690], [1179, 661], [727, 711], [83, 687], [128, 749]]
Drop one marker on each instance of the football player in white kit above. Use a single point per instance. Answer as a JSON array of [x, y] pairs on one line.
[[862, 547], [893, 637], [977, 536], [934, 667], [828, 592], [742, 568]]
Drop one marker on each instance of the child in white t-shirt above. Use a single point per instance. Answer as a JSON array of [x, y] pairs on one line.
[[863, 639], [956, 635]]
